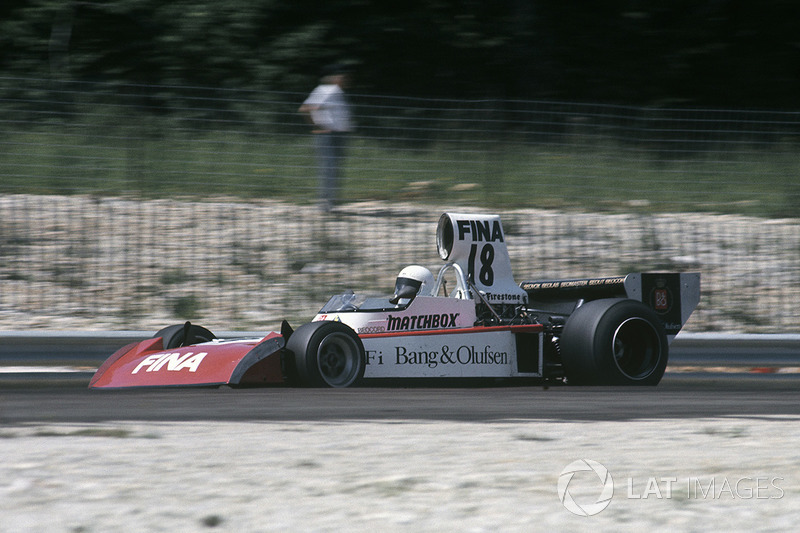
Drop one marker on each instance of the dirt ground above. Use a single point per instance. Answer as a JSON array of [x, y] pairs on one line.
[[724, 474]]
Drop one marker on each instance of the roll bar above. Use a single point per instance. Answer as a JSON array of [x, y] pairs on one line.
[[462, 286]]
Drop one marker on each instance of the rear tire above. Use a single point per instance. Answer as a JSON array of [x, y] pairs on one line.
[[174, 336], [327, 354], [614, 342]]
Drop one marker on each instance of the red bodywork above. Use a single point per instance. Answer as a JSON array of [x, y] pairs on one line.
[[147, 364]]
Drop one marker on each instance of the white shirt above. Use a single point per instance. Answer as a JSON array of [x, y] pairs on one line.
[[329, 108]]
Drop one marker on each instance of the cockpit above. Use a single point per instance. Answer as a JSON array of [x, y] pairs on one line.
[[411, 282], [351, 302]]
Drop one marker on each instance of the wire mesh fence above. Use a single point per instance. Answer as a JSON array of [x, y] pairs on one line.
[[132, 206]]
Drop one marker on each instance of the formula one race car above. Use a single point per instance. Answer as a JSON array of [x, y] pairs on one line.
[[604, 331]]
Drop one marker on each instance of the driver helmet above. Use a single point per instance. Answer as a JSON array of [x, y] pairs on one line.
[[413, 281]]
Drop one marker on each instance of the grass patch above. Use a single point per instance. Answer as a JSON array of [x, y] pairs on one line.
[[88, 432], [186, 307], [109, 433], [173, 276], [605, 176], [532, 438], [211, 520], [727, 432]]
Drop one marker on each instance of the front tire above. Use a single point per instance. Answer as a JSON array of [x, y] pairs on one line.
[[614, 342], [327, 354]]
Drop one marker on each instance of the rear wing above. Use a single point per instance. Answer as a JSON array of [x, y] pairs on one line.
[[673, 296]]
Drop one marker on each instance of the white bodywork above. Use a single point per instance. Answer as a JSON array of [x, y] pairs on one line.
[[435, 337], [423, 313], [454, 354]]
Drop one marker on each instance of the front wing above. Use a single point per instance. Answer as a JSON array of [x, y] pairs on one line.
[[232, 362]]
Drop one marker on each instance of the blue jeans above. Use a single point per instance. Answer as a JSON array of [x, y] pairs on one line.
[[330, 155]]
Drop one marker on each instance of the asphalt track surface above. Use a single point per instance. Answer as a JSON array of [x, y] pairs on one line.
[[679, 395], [53, 398]]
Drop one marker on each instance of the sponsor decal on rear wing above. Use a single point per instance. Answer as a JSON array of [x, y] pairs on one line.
[[672, 295]]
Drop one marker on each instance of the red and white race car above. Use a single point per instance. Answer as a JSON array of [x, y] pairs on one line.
[[472, 320]]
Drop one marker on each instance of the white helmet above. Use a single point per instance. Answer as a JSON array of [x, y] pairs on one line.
[[411, 282]]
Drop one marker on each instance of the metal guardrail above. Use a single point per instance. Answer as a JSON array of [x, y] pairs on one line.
[[754, 350], [91, 348]]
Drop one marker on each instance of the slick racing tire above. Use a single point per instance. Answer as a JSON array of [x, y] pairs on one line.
[[614, 342], [327, 354], [175, 336]]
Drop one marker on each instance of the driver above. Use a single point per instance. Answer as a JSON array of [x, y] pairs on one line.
[[411, 282]]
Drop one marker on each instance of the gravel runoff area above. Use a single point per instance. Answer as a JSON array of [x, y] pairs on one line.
[[723, 474], [108, 263]]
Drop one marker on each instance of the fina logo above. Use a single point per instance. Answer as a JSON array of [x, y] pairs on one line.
[[603, 476]]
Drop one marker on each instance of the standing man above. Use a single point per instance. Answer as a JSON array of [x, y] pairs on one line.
[[327, 110]]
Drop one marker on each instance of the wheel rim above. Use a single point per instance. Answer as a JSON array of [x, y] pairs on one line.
[[338, 360], [636, 348]]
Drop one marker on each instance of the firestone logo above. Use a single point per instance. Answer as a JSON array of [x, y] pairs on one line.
[[601, 482]]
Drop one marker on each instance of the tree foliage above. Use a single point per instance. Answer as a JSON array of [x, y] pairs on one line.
[[687, 52]]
